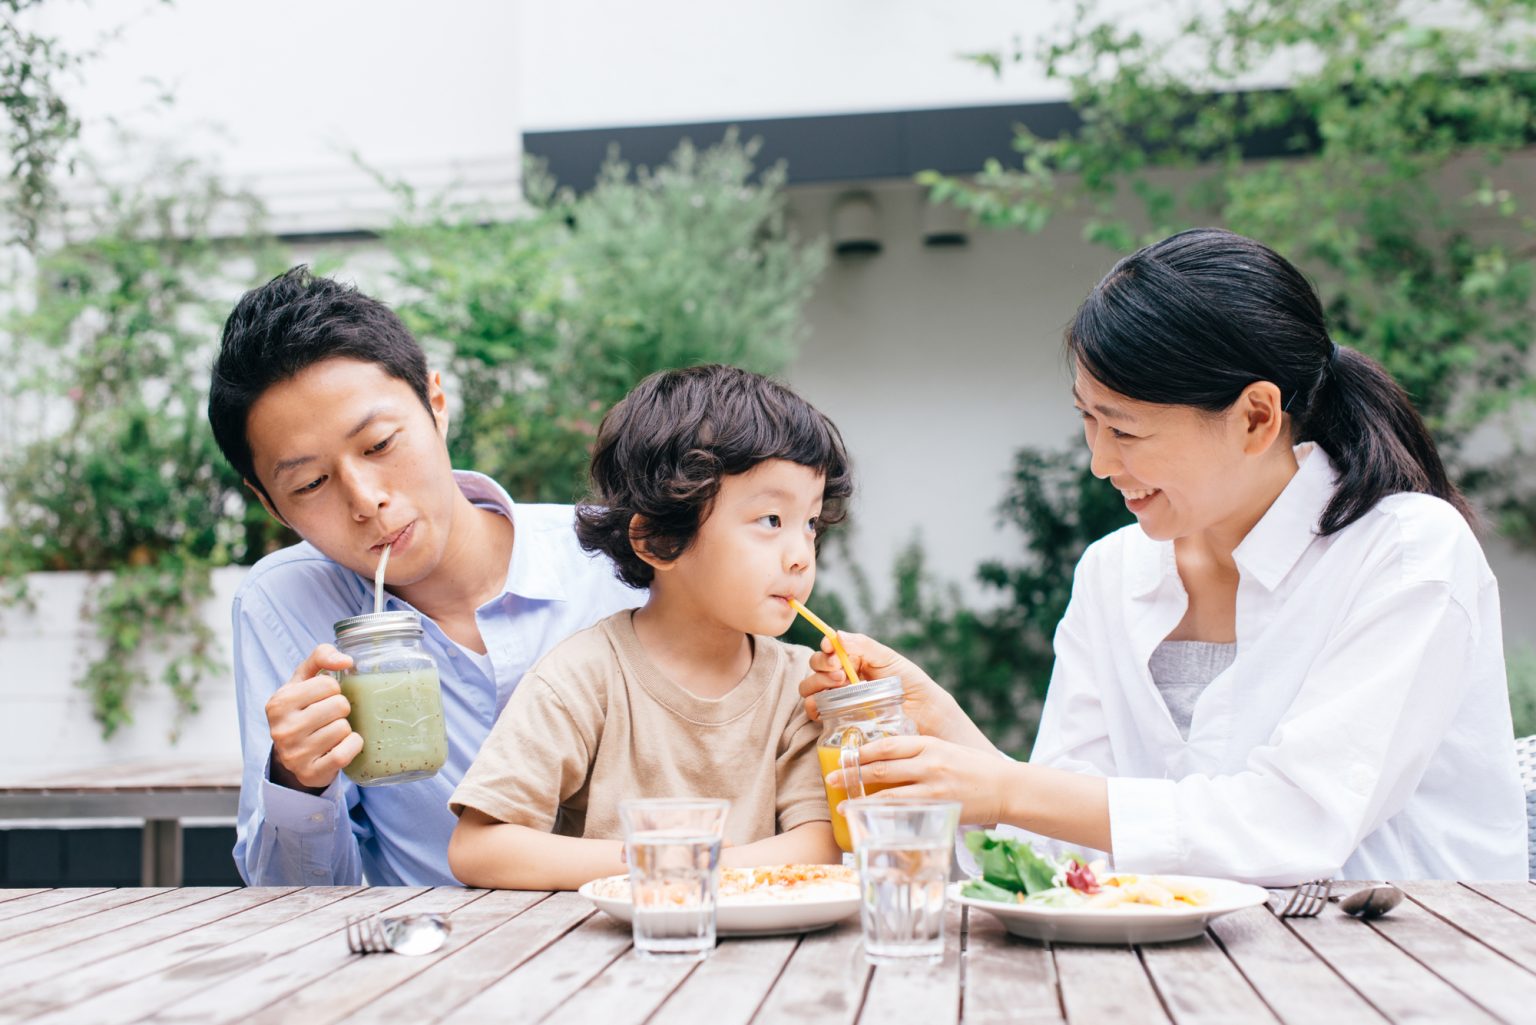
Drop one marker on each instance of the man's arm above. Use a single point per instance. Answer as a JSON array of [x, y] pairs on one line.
[[288, 835]]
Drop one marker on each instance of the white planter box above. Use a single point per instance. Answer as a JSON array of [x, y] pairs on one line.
[[47, 726]]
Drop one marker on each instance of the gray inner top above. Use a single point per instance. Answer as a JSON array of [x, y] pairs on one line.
[[1182, 670]]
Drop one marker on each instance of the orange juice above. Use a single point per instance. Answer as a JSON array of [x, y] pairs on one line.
[[830, 762]]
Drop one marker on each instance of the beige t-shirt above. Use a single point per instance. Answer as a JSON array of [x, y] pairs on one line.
[[595, 722]]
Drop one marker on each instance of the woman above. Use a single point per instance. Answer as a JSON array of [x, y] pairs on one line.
[[1291, 666]]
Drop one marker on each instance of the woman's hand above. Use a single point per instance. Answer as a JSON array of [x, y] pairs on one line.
[[934, 711], [934, 769]]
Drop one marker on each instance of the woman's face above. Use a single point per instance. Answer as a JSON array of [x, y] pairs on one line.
[[1180, 470]]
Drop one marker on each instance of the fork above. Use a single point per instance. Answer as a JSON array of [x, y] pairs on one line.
[[1306, 900], [365, 934]]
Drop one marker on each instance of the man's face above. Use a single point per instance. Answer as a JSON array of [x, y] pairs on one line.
[[351, 461]]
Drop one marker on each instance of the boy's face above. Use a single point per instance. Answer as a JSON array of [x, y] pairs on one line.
[[755, 549], [350, 460]]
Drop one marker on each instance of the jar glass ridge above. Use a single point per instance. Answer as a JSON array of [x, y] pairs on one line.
[[395, 698]]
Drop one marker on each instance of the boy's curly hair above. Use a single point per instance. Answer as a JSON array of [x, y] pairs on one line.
[[663, 450]]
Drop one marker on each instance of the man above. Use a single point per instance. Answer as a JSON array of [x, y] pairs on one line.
[[322, 401]]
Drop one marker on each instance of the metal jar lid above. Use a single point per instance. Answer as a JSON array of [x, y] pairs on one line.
[[373, 625], [855, 695]]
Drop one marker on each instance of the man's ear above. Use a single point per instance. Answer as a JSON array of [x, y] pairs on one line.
[[1262, 417], [437, 401], [642, 546], [266, 503]]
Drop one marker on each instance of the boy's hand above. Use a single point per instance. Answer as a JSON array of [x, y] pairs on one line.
[[307, 717]]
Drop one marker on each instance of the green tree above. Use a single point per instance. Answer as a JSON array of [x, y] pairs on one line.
[[549, 319], [39, 126], [118, 472], [1391, 184]]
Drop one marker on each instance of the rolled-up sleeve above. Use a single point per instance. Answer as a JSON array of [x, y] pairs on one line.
[[283, 837], [1346, 756]]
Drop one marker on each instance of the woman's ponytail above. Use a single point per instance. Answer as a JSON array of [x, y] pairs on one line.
[[1378, 442]]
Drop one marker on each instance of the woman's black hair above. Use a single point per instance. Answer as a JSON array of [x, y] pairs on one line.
[[1196, 318], [662, 451]]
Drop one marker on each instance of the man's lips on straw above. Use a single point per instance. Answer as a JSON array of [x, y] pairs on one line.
[[390, 539]]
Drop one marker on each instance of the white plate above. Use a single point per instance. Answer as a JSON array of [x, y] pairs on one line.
[[1123, 924], [743, 917]]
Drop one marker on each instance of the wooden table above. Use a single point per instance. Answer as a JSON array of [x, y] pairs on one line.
[[1453, 953], [161, 793]]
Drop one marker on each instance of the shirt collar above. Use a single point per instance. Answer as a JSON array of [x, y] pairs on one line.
[[1280, 537], [1274, 544], [534, 570]]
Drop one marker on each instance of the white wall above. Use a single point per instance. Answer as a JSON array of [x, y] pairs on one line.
[[48, 727], [283, 94]]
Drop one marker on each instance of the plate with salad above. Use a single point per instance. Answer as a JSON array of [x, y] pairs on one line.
[[1067, 899]]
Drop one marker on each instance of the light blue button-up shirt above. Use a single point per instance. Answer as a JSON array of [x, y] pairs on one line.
[[396, 835]]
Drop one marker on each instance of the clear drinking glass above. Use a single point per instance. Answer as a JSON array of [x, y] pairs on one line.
[[673, 847], [903, 849]]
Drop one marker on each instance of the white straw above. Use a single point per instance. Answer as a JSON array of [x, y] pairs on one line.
[[378, 582]]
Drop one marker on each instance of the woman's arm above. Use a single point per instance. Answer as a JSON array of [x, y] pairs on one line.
[[809, 843], [488, 853], [1069, 806]]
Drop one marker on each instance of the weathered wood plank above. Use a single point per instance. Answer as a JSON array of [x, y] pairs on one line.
[[625, 993], [824, 980], [1394, 983], [729, 987], [43, 918], [46, 899], [1517, 897], [1100, 984], [75, 931], [1486, 978], [1198, 983], [1293, 981], [357, 979], [1007, 980], [919, 992], [222, 979], [546, 980], [126, 963], [1485, 920], [436, 995], [15, 892]]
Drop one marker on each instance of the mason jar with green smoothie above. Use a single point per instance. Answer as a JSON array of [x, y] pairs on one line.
[[397, 702]]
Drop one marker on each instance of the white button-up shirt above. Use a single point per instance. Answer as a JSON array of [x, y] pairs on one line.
[[1363, 730]]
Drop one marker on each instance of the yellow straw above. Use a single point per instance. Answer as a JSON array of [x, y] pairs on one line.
[[837, 645]]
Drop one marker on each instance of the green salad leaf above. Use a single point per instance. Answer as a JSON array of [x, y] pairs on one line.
[[980, 889], [1010, 865]]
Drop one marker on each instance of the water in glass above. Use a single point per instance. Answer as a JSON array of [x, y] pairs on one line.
[[673, 881], [903, 888]]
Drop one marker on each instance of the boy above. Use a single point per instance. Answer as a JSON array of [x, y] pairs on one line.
[[322, 401], [711, 486]]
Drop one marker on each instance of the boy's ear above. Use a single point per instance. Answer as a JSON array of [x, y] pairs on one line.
[[642, 546], [266, 503]]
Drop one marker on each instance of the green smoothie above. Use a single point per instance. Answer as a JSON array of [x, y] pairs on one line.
[[400, 718]]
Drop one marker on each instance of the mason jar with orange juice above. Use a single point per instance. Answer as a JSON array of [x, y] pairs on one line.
[[852, 716]]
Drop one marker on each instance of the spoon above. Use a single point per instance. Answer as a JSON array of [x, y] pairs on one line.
[[415, 934], [1371, 901]]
